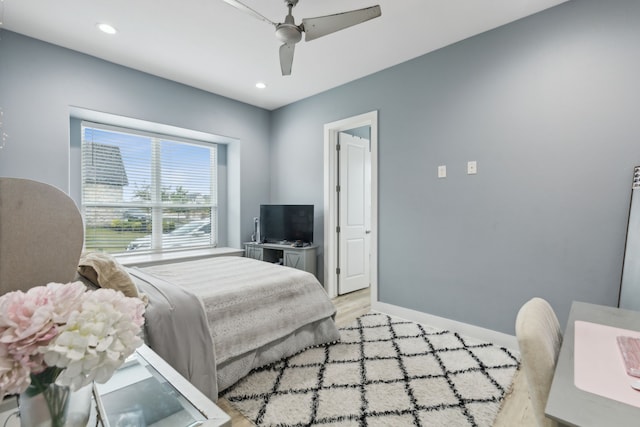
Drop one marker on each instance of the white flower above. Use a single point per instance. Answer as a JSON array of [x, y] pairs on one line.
[[96, 340]]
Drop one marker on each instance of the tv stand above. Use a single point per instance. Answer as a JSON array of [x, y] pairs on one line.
[[302, 258]]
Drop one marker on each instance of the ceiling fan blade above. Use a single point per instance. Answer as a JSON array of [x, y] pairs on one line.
[[286, 58], [323, 25], [247, 9]]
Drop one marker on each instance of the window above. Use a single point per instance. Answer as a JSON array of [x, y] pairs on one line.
[[147, 193]]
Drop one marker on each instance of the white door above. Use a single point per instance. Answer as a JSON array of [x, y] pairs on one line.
[[354, 213]]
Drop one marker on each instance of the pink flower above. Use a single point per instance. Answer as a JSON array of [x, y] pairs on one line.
[[29, 321], [14, 377], [26, 324], [66, 298], [89, 334]]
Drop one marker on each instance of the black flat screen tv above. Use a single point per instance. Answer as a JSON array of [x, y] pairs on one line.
[[286, 223]]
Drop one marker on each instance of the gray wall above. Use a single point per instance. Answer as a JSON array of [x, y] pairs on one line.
[[548, 107], [39, 82]]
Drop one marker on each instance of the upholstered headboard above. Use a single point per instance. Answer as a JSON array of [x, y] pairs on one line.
[[41, 235]]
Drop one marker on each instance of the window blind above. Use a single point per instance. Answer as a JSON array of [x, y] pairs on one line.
[[147, 192]]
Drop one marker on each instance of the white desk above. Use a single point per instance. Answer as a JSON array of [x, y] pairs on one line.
[[572, 406]]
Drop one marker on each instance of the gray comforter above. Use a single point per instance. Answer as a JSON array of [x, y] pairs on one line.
[[233, 314]]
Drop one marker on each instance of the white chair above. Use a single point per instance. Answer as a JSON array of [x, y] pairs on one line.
[[539, 338], [41, 235]]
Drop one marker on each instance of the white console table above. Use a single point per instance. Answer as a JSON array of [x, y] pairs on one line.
[[302, 258]]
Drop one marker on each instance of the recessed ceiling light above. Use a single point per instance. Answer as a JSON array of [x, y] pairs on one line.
[[261, 85], [106, 28]]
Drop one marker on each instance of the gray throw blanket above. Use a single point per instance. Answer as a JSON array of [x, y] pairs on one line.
[[176, 328]]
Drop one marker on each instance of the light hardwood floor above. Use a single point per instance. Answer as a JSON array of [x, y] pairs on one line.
[[516, 410]]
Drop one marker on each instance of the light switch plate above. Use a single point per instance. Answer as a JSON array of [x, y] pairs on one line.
[[442, 171], [472, 167]]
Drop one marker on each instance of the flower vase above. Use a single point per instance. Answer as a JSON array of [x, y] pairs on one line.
[[55, 406]]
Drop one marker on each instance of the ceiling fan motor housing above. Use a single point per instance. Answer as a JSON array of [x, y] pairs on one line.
[[288, 31]]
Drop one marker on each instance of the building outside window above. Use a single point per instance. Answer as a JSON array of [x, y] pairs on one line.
[[143, 192]]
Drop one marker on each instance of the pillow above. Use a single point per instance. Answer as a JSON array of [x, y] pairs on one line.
[[104, 271]]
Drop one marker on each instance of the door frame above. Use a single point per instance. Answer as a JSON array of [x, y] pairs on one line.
[[331, 131]]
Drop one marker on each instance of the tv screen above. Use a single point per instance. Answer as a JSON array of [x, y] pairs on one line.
[[286, 223]]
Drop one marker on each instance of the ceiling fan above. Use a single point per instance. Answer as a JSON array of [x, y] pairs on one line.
[[289, 33]]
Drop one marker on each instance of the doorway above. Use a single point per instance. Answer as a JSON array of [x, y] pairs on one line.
[[350, 205]]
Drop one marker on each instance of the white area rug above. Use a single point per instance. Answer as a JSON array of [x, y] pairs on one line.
[[384, 372]]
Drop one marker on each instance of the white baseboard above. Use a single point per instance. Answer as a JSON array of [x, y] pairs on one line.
[[465, 329]]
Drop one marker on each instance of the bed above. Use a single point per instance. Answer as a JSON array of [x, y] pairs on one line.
[[216, 319], [213, 320]]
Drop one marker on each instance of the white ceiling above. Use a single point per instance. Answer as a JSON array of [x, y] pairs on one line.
[[210, 45]]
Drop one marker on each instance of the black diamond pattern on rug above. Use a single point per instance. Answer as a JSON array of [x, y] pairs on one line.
[[385, 371]]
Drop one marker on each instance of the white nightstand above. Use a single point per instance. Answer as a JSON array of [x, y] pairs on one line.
[[148, 388]]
